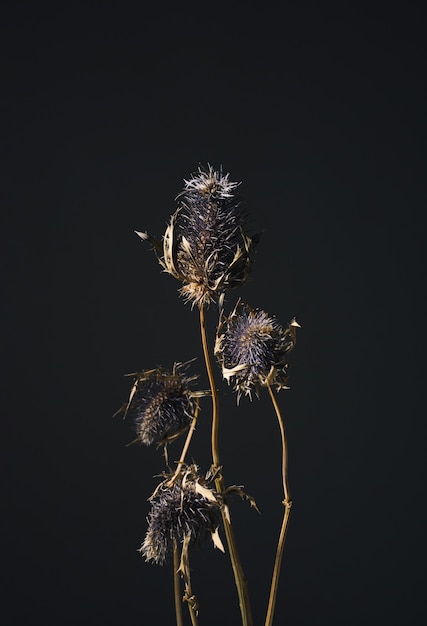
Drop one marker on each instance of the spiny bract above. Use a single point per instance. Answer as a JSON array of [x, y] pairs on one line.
[[161, 403], [251, 348]]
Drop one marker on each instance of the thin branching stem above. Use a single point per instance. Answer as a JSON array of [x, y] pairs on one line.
[[186, 444], [177, 586], [191, 602], [193, 615], [184, 568], [286, 514], [239, 577]]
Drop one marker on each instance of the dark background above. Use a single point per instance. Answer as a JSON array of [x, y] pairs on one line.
[[320, 111]]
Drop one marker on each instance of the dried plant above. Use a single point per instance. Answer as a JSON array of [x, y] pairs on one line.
[[206, 246]]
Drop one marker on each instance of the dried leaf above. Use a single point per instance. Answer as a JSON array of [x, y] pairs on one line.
[[228, 373], [205, 492], [245, 496], [146, 237], [217, 540]]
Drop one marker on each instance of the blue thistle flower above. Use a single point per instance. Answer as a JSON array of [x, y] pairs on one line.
[[251, 348], [185, 513], [205, 244], [161, 404]]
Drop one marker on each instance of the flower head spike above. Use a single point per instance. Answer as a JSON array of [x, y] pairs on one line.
[[205, 244], [251, 348], [209, 182], [184, 513], [161, 403]]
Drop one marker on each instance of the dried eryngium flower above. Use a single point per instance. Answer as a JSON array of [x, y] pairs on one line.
[[161, 403], [205, 244], [251, 348], [184, 513]]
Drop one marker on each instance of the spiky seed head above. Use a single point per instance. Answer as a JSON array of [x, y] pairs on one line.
[[205, 245], [209, 182], [161, 403], [188, 510], [251, 348]]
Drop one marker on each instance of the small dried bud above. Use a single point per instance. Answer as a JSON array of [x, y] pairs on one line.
[[161, 404], [186, 511], [205, 244], [251, 348]]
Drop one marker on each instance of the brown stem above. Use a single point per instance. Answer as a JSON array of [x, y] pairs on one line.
[[214, 392], [239, 577], [177, 586], [186, 444], [193, 615], [287, 504], [184, 568]]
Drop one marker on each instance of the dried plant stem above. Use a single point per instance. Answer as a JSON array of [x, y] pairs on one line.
[[191, 602], [193, 616], [177, 586], [239, 577], [186, 444], [184, 568], [287, 504]]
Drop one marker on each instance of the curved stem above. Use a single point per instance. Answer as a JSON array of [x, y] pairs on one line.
[[287, 504], [239, 577], [214, 392], [186, 444], [284, 444], [177, 586]]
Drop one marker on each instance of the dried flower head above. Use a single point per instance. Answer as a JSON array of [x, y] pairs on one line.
[[251, 348], [186, 512], [205, 244], [161, 403]]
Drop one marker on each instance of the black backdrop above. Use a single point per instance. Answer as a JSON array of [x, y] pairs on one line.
[[320, 111]]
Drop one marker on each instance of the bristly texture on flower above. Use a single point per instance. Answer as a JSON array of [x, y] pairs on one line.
[[161, 403], [251, 348], [205, 244], [186, 511]]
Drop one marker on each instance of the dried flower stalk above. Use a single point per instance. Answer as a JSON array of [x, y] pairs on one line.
[[206, 247]]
